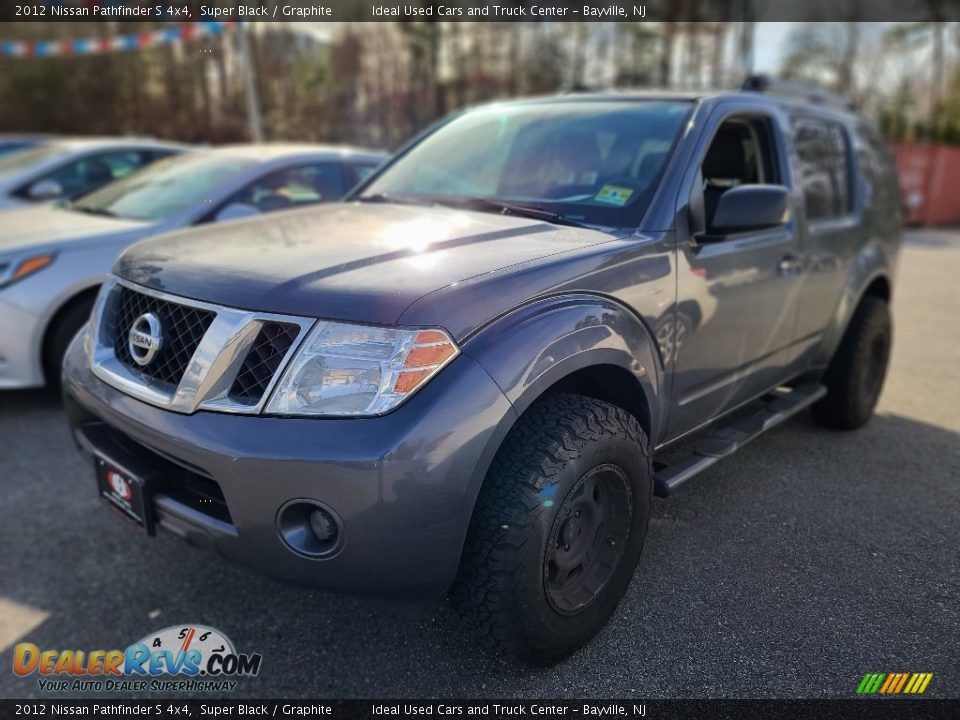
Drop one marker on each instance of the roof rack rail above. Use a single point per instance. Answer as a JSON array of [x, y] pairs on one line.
[[797, 91]]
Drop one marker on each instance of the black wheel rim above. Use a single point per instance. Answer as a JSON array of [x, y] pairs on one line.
[[587, 539]]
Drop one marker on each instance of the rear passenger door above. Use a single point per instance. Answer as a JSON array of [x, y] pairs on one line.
[[830, 222], [737, 294]]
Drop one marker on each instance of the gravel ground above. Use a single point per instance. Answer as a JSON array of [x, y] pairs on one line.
[[788, 570]]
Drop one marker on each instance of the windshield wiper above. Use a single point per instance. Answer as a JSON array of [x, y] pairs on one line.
[[395, 199], [92, 211], [508, 208]]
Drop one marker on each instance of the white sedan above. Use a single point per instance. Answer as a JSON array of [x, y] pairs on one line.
[[65, 168], [53, 258]]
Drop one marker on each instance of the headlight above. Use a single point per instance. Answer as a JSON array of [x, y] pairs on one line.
[[11, 272], [344, 370]]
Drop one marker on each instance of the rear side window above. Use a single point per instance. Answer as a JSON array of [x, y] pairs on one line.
[[294, 187], [825, 172]]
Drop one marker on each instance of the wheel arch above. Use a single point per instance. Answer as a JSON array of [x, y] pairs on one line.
[[870, 274], [86, 293], [578, 343]]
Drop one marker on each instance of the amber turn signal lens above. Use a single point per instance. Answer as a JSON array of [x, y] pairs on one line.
[[425, 337], [432, 349], [428, 355], [410, 380], [31, 265]]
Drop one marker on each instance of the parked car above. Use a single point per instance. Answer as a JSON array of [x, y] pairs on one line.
[[53, 258], [15, 142], [454, 380], [65, 168]]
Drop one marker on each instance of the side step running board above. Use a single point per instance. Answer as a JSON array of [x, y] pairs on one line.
[[727, 439]]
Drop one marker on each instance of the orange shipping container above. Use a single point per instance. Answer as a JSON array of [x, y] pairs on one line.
[[930, 182]]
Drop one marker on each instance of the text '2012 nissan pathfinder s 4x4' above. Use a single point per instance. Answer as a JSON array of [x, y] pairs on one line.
[[459, 379]]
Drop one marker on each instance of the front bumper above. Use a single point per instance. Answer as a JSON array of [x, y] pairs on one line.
[[19, 351], [403, 485]]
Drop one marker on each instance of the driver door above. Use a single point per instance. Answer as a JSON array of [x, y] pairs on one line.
[[736, 293]]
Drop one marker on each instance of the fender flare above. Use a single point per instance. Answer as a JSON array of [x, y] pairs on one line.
[[532, 347], [871, 263]]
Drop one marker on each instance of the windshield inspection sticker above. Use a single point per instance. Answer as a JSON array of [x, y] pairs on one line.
[[614, 195]]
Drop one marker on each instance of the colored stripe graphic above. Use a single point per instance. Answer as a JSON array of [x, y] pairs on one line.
[[111, 43], [894, 683], [870, 683]]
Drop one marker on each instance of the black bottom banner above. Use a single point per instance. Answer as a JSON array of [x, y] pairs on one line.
[[872, 709]]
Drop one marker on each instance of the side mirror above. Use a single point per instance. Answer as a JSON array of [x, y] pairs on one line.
[[235, 211], [45, 190], [751, 207]]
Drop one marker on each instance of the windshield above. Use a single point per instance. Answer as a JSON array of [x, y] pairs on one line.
[[163, 188], [22, 159], [589, 162]]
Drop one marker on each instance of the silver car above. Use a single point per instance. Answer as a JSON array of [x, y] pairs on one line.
[[53, 258], [15, 142], [65, 168]]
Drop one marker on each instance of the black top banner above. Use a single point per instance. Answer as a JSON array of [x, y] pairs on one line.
[[480, 10]]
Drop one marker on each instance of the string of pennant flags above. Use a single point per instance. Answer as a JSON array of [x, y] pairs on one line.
[[111, 43]]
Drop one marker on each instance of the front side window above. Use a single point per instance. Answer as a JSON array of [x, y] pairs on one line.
[[358, 172], [164, 187], [293, 187], [92, 171], [824, 164], [740, 153], [589, 162]]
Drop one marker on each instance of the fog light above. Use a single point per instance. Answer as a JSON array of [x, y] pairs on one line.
[[310, 528]]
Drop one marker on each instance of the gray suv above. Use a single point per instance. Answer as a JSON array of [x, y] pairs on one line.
[[473, 375]]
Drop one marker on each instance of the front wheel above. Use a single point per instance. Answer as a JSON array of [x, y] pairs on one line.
[[558, 528], [856, 373]]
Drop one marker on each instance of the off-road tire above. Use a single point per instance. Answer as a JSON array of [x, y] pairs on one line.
[[59, 336], [855, 376], [558, 444]]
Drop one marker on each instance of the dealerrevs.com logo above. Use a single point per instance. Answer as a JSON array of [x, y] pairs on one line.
[[188, 658]]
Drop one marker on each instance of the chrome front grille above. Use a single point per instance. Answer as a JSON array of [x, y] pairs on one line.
[[210, 358], [262, 360], [183, 329]]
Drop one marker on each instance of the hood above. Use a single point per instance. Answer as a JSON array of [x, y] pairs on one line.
[[359, 261], [42, 226]]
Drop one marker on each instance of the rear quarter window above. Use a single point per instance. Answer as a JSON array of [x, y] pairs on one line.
[[877, 168], [825, 169]]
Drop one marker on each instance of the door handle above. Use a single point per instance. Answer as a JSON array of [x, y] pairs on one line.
[[788, 264]]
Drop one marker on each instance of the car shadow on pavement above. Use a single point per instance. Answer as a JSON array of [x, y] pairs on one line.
[[775, 566], [15, 402]]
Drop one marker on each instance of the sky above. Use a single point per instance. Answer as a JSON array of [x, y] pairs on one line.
[[771, 39]]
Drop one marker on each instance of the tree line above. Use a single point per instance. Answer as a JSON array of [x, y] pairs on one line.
[[377, 84]]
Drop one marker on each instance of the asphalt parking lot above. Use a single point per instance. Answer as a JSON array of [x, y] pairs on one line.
[[788, 570]]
